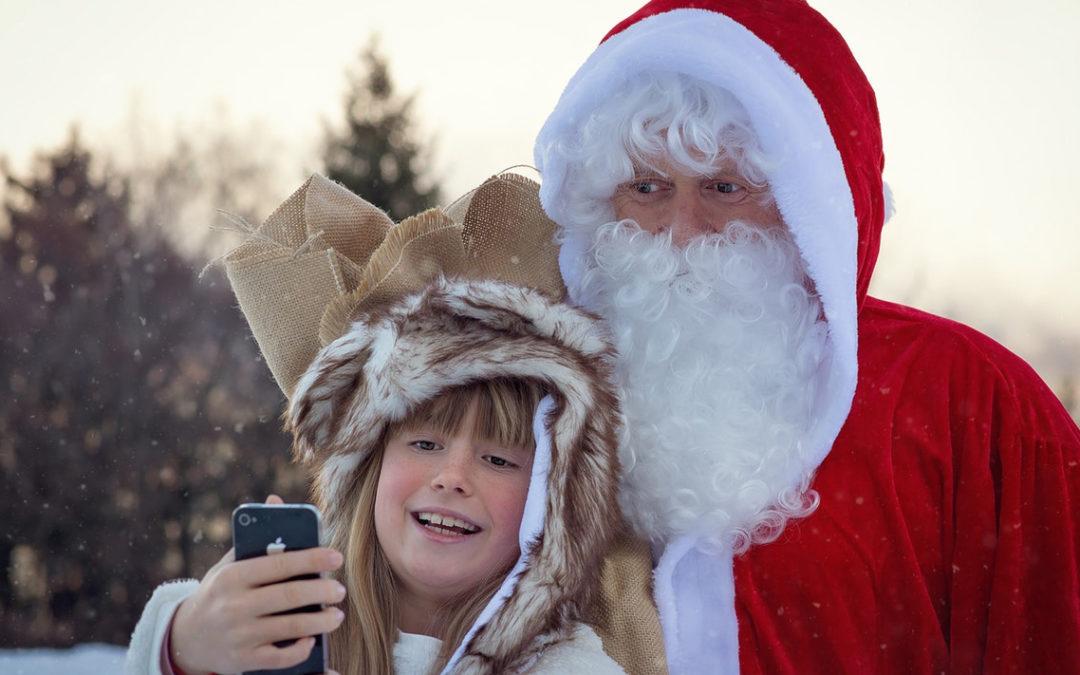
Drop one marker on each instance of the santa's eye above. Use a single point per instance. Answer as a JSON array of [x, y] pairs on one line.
[[725, 188], [643, 187]]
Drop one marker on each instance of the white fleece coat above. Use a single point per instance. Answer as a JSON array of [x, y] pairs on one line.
[[581, 652]]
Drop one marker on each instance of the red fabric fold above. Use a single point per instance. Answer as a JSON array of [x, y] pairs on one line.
[[946, 539]]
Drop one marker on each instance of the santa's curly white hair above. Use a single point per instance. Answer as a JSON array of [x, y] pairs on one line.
[[690, 122]]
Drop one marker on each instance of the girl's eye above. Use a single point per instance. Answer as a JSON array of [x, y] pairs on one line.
[[425, 446], [495, 460]]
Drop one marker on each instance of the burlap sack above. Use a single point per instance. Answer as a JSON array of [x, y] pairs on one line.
[[624, 614], [325, 256]]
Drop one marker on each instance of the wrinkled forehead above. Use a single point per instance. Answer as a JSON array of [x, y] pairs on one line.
[[666, 165]]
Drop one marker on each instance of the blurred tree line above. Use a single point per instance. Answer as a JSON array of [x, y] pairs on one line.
[[137, 412]]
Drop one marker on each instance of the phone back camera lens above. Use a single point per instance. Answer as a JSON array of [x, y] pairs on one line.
[[244, 520]]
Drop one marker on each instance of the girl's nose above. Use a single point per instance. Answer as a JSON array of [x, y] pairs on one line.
[[453, 475]]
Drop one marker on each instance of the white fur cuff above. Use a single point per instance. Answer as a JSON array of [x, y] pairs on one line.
[[144, 652]]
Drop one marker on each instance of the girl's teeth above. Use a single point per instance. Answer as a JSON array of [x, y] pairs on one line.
[[434, 520]]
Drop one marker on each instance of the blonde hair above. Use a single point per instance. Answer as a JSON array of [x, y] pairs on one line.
[[365, 641]]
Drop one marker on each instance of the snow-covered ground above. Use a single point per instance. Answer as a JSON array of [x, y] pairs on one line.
[[89, 659]]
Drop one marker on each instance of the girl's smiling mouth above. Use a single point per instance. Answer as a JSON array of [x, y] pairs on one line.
[[445, 524]]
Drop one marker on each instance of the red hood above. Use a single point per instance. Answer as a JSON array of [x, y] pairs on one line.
[[815, 50]]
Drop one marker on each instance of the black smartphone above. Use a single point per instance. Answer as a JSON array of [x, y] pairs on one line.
[[269, 529]]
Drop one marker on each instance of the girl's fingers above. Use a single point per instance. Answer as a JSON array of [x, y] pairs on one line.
[[274, 499], [225, 560], [271, 569], [269, 657], [293, 626], [292, 594]]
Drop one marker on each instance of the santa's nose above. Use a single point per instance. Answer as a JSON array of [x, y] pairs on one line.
[[689, 218]]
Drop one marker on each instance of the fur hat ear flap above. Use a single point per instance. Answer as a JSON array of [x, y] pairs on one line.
[[319, 401]]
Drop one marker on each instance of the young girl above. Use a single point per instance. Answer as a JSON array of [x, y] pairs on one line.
[[463, 447]]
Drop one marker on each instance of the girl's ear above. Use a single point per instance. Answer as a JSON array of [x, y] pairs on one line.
[[320, 401]]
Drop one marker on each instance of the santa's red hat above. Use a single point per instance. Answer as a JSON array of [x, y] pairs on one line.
[[816, 118]]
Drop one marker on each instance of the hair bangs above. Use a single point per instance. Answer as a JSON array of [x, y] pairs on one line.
[[504, 411]]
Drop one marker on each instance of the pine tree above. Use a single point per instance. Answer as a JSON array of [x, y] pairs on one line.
[[376, 154]]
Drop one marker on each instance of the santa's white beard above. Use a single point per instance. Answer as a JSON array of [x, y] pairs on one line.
[[719, 343]]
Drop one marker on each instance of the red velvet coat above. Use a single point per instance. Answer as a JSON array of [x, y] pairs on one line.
[[948, 536]]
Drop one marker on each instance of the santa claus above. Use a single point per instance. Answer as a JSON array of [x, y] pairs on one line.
[[827, 482]]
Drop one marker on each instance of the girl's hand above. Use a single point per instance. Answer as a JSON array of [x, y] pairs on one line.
[[226, 625]]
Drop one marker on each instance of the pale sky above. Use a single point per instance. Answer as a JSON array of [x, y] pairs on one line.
[[979, 104]]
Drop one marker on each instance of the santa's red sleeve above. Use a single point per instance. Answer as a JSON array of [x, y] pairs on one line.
[[1011, 538], [947, 536]]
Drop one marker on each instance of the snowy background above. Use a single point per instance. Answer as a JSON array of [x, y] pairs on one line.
[[90, 659]]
